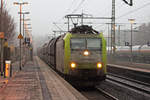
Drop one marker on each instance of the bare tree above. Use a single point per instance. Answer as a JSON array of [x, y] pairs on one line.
[[8, 25]]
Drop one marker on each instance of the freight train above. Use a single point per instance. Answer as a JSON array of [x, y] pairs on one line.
[[79, 56]]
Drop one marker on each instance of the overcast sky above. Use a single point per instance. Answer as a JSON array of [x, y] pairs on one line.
[[45, 12]]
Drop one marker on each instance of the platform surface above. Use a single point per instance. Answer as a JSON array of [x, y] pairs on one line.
[[37, 81], [132, 66]]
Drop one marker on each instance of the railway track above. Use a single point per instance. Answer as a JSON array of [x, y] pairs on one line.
[[129, 72], [97, 94], [119, 88], [125, 88], [130, 79], [106, 94], [133, 84]]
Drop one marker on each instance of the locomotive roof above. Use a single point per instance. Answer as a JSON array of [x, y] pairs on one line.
[[84, 29]]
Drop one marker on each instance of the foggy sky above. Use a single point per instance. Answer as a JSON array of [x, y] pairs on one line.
[[45, 12]]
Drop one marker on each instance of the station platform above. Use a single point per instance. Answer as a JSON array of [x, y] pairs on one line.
[[132, 66], [37, 81]]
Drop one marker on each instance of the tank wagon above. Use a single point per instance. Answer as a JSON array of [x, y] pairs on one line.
[[79, 56]]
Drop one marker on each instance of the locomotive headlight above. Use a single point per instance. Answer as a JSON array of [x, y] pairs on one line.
[[99, 65], [73, 65], [86, 53]]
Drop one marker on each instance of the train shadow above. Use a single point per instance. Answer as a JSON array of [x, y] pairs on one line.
[[85, 89]]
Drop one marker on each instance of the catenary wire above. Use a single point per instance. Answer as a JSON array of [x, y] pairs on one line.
[[78, 6], [71, 5], [135, 10]]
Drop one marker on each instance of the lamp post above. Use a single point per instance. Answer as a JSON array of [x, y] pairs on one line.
[[20, 4], [1, 38], [27, 28], [25, 25], [23, 13], [132, 22], [24, 51]]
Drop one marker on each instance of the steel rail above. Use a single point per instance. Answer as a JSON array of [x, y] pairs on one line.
[[128, 85], [130, 79], [106, 94]]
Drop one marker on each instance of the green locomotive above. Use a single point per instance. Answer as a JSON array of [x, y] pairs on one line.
[[79, 56]]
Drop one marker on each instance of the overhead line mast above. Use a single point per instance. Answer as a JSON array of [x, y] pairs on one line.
[[113, 28], [113, 24]]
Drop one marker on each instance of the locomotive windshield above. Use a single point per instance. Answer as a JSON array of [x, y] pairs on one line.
[[86, 43], [93, 43], [77, 43]]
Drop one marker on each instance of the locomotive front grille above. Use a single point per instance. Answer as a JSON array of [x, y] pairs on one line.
[[86, 66], [85, 72]]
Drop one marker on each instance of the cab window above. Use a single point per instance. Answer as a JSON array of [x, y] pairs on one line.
[[77, 43], [93, 43]]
